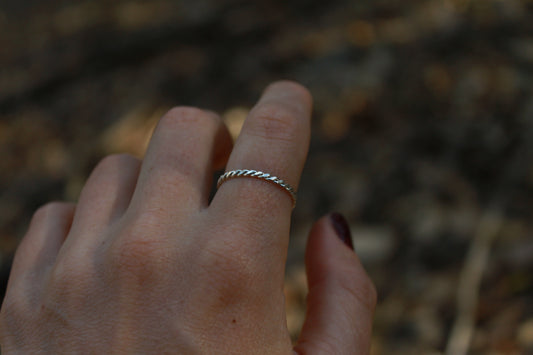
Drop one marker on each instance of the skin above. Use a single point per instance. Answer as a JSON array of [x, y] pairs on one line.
[[144, 264]]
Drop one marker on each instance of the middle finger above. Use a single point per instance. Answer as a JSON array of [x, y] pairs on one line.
[[176, 172]]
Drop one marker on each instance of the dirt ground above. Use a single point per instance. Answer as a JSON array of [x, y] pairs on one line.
[[423, 135]]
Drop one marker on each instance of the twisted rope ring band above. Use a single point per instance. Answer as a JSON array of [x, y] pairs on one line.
[[261, 176]]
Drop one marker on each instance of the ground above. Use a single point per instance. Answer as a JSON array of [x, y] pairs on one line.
[[422, 134]]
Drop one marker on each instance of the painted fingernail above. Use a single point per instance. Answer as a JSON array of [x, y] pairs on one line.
[[342, 228]]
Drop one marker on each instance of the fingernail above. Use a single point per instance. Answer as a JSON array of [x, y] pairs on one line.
[[342, 228]]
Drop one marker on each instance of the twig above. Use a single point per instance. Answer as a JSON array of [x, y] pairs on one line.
[[469, 282]]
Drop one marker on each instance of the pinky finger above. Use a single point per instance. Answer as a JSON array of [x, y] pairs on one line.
[[39, 247]]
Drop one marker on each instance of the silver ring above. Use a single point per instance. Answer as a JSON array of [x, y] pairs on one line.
[[258, 175]]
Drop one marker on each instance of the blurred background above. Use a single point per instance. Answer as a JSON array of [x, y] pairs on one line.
[[423, 135]]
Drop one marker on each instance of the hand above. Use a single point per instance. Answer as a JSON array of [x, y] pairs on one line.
[[143, 264]]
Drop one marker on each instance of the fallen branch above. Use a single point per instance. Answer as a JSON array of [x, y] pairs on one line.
[[470, 281]]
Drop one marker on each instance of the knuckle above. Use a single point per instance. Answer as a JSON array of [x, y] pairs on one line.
[[295, 87], [229, 269], [70, 273], [115, 161], [110, 172], [232, 267], [146, 222], [140, 255], [275, 121], [327, 344], [51, 209], [172, 178], [189, 116], [184, 112]]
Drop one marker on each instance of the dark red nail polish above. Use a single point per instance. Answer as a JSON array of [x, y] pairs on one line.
[[342, 228]]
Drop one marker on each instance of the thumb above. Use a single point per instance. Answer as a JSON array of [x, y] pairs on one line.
[[341, 299]]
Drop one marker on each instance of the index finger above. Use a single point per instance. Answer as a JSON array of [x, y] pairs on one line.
[[275, 140]]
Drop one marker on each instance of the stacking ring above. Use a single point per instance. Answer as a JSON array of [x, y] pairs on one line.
[[261, 176]]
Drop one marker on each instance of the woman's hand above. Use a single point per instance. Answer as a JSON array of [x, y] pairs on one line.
[[143, 264]]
